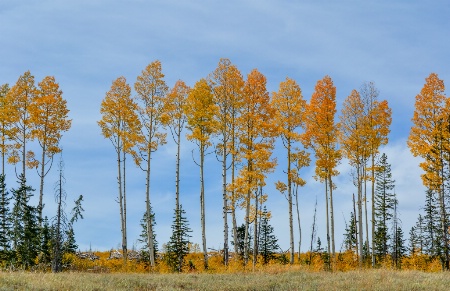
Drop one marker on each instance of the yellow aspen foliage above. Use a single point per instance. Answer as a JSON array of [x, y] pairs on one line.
[[121, 125], [289, 116], [256, 136], [426, 138], [21, 96], [321, 134], [151, 90], [48, 113], [6, 121], [227, 83], [200, 111]]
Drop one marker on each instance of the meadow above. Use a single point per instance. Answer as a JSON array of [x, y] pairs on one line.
[[293, 279]]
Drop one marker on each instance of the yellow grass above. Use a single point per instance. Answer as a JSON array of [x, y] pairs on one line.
[[286, 280]]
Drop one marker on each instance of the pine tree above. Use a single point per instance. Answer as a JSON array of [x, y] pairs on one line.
[[416, 236], [268, 243], [399, 247], [5, 221], [178, 246], [239, 240], [384, 207]]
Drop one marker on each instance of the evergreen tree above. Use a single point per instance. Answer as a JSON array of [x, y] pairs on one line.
[[145, 252], [178, 246], [25, 225], [416, 236], [350, 236], [45, 253], [70, 245], [431, 218], [384, 207], [267, 240], [398, 246], [5, 221], [239, 240], [29, 244]]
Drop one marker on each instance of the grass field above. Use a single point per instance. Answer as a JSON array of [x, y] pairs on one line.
[[290, 280]]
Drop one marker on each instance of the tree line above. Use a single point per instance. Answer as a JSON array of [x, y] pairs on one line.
[[237, 119]]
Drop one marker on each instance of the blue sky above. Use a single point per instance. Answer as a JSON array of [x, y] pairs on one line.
[[88, 44]]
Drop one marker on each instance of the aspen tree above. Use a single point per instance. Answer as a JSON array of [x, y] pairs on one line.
[[200, 111], [289, 114], [21, 96], [255, 133], [379, 119], [6, 119], [428, 139], [121, 125], [175, 118], [227, 83], [354, 142], [48, 113], [321, 134], [151, 90]]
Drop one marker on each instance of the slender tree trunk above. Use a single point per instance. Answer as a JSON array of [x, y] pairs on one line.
[[225, 203], [291, 220], [365, 207], [41, 190], [373, 209], [247, 215], [444, 220], [233, 206], [356, 228], [299, 225], [24, 156], [360, 216], [202, 206], [119, 181], [177, 181], [125, 254], [151, 247], [56, 264], [328, 216], [255, 232], [333, 248]]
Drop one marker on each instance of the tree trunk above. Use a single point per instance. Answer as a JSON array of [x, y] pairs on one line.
[[299, 225], [202, 206], [247, 215], [225, 206], [41, 189], [328, 217], [150, 243], [125, 254], [255, 232], [119, 181], [360, 216], [365, 207], [333, 248], [373, 209], [291, 220], [233, 206], [177, 171]]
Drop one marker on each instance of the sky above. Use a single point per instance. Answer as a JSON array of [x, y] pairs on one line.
[[86, 45]]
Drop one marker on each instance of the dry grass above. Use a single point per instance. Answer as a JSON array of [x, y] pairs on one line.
[[288, 280]]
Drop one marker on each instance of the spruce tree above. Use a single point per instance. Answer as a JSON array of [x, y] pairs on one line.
[[268, 243], [45, 250], [239, 240], [25, 225], [5, 221], [178, 246], [384, 207]]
